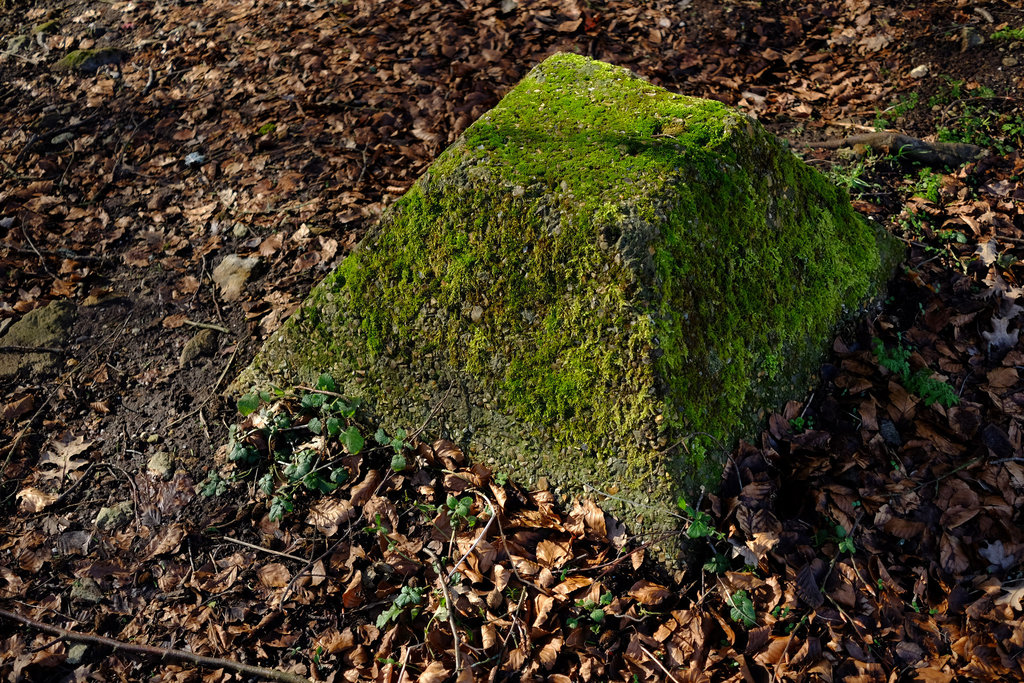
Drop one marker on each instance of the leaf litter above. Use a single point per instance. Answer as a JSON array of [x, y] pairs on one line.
[[872, 532]]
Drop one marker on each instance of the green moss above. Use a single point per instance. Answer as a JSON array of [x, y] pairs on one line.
[[46, 27], [601, 268], [88, 60]]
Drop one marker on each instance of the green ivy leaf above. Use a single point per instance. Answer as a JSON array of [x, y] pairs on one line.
[[326, 383], [315, 425], [333, 426], [352, 440], [742, 611], [398, 462], [248, 404]]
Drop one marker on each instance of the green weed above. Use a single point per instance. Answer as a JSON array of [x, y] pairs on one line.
[[289, 454], [591, 612], [408, 602], [921, 383], [1008, 35]]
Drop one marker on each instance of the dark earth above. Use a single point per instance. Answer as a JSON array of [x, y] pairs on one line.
[[872, 532]]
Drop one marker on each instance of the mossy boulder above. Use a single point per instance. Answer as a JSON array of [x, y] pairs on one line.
[[89, 61], [601, 279], [47, 329]]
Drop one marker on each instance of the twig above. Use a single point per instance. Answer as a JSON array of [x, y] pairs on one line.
[[443, 580], [931, 153], [42, 260], [660, 665], [53, 392], [69, 490], [263, 550], [51, 134], [29, 349], [309, 564], [213, 392], [480, 536], [433, 413], [149, 82], [208, 326], [158, 652]]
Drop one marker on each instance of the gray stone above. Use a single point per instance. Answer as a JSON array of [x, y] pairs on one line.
[[115, 516], [45, 328], [649, 269], [161, 465], [86, 590], [232, 273], [76, 654]]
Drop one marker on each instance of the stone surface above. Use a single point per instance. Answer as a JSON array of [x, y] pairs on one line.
[[47, 327], [606, 280], [86, 590], [115, 516], [232, 273], [161, 465]]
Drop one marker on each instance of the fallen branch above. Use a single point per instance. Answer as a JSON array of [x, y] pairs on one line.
[[915, 149], [162, 653]]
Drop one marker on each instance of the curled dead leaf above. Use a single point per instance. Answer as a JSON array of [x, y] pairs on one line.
[[328, 514], [648, 593], [31, 499]]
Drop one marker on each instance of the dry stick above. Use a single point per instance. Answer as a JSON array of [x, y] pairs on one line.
[[931, 153], [42, 260], [263, 550], [29, 349], [660, 665], [158, 652], [208, 326], [213, 392], [309, 565], [51, 134], [433, 413], [480, 536], [443, 580]]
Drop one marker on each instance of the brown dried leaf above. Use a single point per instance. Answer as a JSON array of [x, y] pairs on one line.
[[549, 653], [274, 575], [648, 593], [434, 673], [807, 587], [31, 499], [551, 554], [165, 542], [362, 491], [328, 514]]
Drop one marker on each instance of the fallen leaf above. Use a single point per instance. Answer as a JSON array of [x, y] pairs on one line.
[[31, 499], [648, 593]]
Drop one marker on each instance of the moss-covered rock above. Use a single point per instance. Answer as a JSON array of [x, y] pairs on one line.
[[604, 279], [45, 328], [89, 61]]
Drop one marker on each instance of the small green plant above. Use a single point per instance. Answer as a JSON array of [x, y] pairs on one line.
[[501, 478], [266, 129], [897, 361], [927, 185], [897, 110], [1008, 35], [801, 423], [742, 609], [397, 442], [591, 612], [846, 544], [458, 511], [409, 602], [213, 485], [289, 452], [850, 177], [701, 525]]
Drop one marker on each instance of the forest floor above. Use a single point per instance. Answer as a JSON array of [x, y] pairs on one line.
[[182, 188]]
